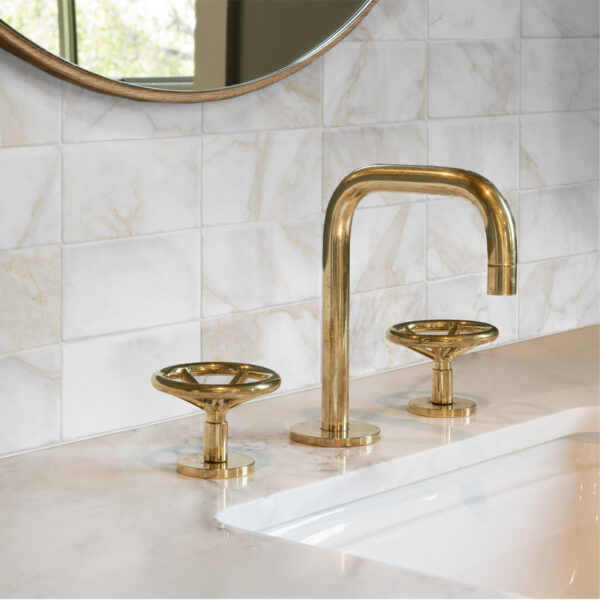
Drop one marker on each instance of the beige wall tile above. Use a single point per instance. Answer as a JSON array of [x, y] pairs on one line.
[[557, 295], [30, 293], [261, 176], [121, 189], [374, 82], [285, 339], [30, 401], [31, 196], [257, 265], [130, 284]]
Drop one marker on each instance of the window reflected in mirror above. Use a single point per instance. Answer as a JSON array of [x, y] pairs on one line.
[[179, 44]]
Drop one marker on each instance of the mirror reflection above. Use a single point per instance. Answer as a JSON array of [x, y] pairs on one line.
[[179, 44]]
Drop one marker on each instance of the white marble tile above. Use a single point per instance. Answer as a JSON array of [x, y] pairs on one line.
[[29, 298], [291, 103], [286, 339], [368, 82], [488, 146], [555, 18], [106, 381], [388, 247], [260, 176], [559, 75], [371, 315], [30, 401], [559, 221], [89, 116], [29, 104], [465, 297], [120, 189], [130, 284], [256, 265], [350, 148], [557, 295], [456, 243], [393, 20], [473, 19], [30, 198], [473, 78], [558, 148]]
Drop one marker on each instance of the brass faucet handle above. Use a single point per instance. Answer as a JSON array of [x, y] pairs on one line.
[[442, 340], [233, 384]]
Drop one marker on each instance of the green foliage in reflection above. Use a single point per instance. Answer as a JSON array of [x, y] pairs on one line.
[[116, 38], [136, 38], [36, 19]]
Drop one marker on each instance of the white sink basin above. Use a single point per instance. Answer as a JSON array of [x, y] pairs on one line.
[[524, 521]]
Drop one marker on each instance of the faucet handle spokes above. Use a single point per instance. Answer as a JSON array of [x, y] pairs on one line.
[[233, 383], [442, 340]]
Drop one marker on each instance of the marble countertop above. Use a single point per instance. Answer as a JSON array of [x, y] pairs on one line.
[[110, 516]]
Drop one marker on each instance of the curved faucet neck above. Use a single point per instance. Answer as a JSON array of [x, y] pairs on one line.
[[501, 249]]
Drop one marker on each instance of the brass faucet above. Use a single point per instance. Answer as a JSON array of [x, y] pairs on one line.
[[335, 429]]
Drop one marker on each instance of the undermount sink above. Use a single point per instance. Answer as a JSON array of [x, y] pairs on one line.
[[513, 511]]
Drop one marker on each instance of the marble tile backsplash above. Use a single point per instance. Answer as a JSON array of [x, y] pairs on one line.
[[135, 235]]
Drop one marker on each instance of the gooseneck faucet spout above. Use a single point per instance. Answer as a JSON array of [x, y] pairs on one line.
[[335, 429]]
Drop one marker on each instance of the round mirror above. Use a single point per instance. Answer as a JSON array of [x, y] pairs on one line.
[[175, 50]]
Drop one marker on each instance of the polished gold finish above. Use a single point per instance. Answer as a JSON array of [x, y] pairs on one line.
[[247, 382], [442, 340], [357, 434], [12, 41], [501, 249]]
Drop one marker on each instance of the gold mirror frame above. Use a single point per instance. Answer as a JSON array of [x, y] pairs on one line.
[[12, 41]]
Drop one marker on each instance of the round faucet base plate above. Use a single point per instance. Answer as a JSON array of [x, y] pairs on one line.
[[358, 434], [237, 465], [424, 407]]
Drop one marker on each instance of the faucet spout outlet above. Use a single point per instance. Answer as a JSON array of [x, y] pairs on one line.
[[335, 429]]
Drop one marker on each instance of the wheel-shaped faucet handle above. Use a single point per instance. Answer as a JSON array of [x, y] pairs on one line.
[[234, 383], [442, 340]]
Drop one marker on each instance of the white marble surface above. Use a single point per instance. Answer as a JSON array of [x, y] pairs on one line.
[[559, 148], [556, 18], [29, 104], [122, 189], [286, 338], [348, 148], [488, 146], [373, 83], [30, 402], [110, 517], [269, 175], [102, 378], [559, 294], [473, 19], [569, 217], [473, 78], [255, 265], [371, 315], [466, 298], [88, 116], [30, 296], [31, 195], [130, 284], [388, 247], [456, 243], [393, 20], [559, 74], [291, 103]]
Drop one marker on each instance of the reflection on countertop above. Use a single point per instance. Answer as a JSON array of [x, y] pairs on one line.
[[110, 516]]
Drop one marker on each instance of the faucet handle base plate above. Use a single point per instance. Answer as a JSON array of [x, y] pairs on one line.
[[194, 465], [359, 434], [459, 407]]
